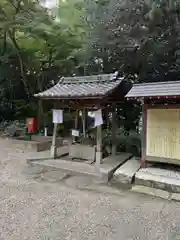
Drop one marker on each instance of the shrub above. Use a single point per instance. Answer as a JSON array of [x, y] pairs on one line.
[[125, 141]]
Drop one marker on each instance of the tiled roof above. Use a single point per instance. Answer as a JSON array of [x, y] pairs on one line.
[[87, 86], [157, 89]]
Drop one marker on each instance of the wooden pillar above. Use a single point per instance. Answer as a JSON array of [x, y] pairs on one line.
[[76, 123], [106, 113], [54, 147], [143, 135], [40, 114], [84, 122], [99, 146], [114, 129]]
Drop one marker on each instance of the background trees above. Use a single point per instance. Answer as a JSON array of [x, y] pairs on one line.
[[139, 37], [38, 45], [35, 50]]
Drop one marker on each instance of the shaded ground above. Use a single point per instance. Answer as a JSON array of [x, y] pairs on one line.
[[33, 208]]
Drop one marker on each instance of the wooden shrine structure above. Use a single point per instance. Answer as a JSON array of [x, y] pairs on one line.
[[160, 119], [91, 93]]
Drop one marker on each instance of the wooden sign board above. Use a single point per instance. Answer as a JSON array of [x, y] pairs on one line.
[[163, 133], [57, 116]]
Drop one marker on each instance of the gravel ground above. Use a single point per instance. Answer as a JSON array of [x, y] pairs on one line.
[[36, 209]]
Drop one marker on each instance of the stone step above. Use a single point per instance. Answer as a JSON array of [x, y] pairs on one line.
[[158, 178], [111, 164], [125, 173], [156, 193], [67, 166], [151, 191], [104, 172]]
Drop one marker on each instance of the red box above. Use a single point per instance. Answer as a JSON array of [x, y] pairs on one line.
[[32, 125]]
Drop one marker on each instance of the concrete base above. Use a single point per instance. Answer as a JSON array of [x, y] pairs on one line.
[[126, 172], [98, 159], [36, 144], [159, 178], [53, 151], [46, 155], [82, 152], [105, 172]]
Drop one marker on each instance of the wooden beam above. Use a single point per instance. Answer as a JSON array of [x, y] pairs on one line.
[[154, 98], [162, 106], [153, 159]]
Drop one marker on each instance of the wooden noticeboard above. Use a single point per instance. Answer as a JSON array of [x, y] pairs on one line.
[[163, 133]]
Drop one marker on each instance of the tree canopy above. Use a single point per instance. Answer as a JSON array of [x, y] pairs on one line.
[[141, 38], [36, 50], [39, 44]]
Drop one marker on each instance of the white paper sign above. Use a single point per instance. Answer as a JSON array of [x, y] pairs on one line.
[[98, 118], [75, 133], [57, 116]]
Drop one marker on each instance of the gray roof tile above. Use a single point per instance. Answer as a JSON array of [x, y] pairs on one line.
[[88, 86], [157, 89]]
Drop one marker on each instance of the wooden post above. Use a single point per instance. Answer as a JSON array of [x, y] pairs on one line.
[[84, 122], [99, 146], [54, 147], [107, 117], [76, 123], [40, 114], [143, 135], [114, 129]]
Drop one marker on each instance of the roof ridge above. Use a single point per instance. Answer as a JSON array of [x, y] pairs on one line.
[[89, 82], [76, 89], [89, 79]]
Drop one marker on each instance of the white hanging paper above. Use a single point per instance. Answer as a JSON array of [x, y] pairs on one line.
[[98, 118], [57, 116], [75, 133]]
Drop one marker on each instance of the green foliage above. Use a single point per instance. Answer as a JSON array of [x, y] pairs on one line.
[[125, 141], [35, 51], [141, 38], [38, 45]]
